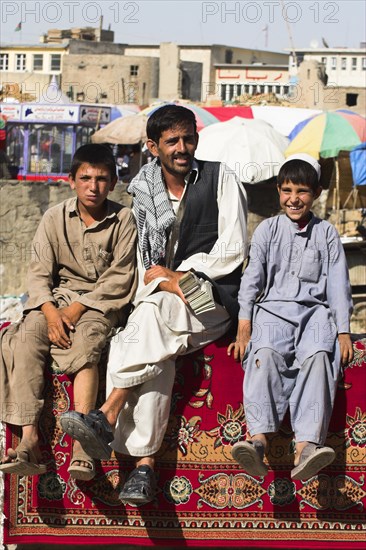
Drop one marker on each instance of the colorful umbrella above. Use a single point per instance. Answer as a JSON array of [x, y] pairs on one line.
[[203, 117], [226, 113], [2, 131], [326, 134]]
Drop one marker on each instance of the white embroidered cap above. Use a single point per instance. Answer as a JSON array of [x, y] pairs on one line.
[[306, 158]]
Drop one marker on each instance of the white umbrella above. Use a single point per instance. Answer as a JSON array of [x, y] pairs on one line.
[[126, 130], [252, 148], [283, 119]]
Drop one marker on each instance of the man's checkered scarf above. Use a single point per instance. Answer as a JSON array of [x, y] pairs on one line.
[[153, 212]]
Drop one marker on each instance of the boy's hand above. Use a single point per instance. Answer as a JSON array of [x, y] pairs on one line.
[[61, 321], [171, 285], [56, 322], [242, 340], [346, 348], [73, 312]]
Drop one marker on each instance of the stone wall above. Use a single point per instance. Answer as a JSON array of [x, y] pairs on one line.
[[22, 205]]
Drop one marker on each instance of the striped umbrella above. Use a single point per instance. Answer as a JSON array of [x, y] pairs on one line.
[[203, 117], [326, 134]]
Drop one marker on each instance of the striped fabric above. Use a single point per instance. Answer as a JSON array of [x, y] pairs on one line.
[[153, 212]]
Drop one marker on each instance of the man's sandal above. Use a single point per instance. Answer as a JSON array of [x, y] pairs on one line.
[[140, 487], [313, 458], [23, 462], [250, 454], [92, 430], [77, 471]]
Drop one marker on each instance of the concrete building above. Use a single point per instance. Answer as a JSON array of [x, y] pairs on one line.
[[91, 67], [235, 81], [329, 78], [199, 68], [101, 72], [30, 67], [344, 66]]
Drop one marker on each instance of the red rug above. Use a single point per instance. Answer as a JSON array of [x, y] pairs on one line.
[[204, 499]]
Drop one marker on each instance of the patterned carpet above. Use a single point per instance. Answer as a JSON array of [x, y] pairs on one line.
[[204, 499]]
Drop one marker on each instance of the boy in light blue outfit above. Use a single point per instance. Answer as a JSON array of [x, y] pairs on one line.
[[293, 333]]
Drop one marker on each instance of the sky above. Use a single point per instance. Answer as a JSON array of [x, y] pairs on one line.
[[261, 24]]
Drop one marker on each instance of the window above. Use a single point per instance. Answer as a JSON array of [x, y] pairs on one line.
[[351, 100], [228, 56], [223, 92], [363, 63], [354, 63], [344, 63], [333, 62], [56, 62], [37, 62], [20, 62], [134, 70], [4, 61], [324, 60], [50, 149]]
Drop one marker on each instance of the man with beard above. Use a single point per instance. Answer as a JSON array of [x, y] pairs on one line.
[[191, 216]]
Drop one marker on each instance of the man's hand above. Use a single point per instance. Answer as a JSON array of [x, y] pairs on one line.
[[60, 321], [346, 348], [242, 340], [171, 285]]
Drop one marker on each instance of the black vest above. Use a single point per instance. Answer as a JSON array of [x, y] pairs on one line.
[[199, 232]]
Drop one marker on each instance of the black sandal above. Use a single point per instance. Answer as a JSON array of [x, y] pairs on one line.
[[92, 430], [140, 487]]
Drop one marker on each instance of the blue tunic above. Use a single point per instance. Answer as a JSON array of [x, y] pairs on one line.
[[296, 288]]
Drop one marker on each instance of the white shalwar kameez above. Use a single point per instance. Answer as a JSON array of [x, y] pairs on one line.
[[162, 327]]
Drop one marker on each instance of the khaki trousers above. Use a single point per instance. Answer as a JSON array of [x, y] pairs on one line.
[[25, 351]]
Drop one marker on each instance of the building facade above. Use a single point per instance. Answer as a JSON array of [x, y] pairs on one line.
[[30, 67], [329, 78], [91, 67]]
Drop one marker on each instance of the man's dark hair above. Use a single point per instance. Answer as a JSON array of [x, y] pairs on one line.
[[298, 171], [94, 154], [167, 117]]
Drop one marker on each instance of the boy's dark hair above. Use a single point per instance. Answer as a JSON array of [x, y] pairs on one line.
[[167, 117], [94, 154], [298, 171]]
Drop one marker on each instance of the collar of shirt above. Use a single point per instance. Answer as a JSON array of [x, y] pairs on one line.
[[191, 177], [297, 228], [72, 209]]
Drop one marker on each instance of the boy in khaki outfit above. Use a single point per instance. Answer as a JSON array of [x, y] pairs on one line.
[[80, 280]]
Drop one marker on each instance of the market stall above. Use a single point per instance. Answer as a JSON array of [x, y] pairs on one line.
[[41, 138]]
